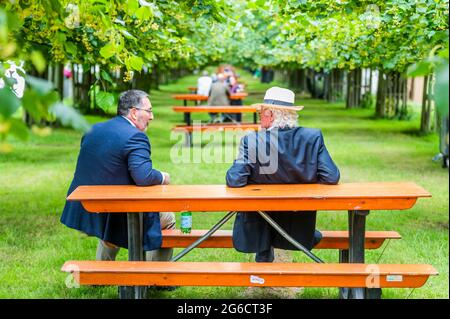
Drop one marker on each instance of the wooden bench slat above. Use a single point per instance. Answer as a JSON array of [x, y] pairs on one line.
[[215, 109], [174, 238], [129, 273], [218, 127]]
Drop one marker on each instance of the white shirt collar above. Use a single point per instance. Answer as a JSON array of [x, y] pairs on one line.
[[126, 118]]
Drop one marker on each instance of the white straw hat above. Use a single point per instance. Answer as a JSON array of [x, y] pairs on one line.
[[279, 98]]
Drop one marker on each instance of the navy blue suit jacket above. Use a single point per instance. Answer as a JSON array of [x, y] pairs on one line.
[[113, 153], [284, 156]]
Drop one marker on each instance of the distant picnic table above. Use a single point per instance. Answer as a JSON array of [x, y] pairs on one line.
[[198, 97], [188, 128]]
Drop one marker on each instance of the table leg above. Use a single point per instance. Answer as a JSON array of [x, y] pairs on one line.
[[289, 238], [135, 253], [204, 237], [357, 231], [188, 139], [187, 118], [187, 121], [186, 114], [343, 258]]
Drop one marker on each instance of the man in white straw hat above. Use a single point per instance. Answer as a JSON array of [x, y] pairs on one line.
[[297, 155]]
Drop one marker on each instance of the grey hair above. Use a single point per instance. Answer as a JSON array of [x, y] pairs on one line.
[[284, 118], [130, 99]]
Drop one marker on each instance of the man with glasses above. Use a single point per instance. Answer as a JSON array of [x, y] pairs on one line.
[[117, 152]]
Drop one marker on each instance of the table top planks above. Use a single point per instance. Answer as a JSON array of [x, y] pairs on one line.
[[274, 197]]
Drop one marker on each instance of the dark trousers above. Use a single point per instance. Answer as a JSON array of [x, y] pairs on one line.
[[229, 117], [266, 256]]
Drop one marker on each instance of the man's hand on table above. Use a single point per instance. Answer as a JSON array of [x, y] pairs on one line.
[[166, 180]]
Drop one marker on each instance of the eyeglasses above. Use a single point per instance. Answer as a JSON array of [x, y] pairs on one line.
[[149, 111]]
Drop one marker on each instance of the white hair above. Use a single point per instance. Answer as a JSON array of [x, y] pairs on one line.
[[284, 118]]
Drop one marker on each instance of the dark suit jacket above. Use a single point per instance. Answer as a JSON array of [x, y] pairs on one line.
[[113, 153], [301, 158]]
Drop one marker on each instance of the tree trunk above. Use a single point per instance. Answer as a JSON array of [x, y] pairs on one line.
[[411, 92], [313, 86], [392, 95], [155, 77], [87, 86], [74, 81], [354, 88], [425, 119], [292, 81], [389, 85], [358, 87], [396, 92], [27, 118], [404, 102], [327, 86], [141, 81], [335, 85], [381, 95], [59, 79], [83, 89], [302, 81], [366, 98], [349, 103]]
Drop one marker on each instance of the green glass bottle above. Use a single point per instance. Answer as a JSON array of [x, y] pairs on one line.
[[186, 222]]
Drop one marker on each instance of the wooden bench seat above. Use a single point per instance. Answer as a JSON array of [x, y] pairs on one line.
[[174, 238], [218, 127], [129, 273]]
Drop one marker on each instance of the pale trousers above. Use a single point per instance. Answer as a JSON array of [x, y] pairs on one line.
[[107, 251]]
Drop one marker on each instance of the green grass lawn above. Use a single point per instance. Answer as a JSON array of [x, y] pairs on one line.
[[34, 179]]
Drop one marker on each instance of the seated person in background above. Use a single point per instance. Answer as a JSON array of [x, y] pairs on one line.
[[234, 85], [219, 95], [228, 72], [297, 156], [204, 84], [234, 88]]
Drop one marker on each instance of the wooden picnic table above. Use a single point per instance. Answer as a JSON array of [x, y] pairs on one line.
[[187, 110], [217, 127], [356, 198], [212, 109], [197, 97]]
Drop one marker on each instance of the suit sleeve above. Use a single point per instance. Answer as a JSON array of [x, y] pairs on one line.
[[327, 171], [139, 161], [237, 175]]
